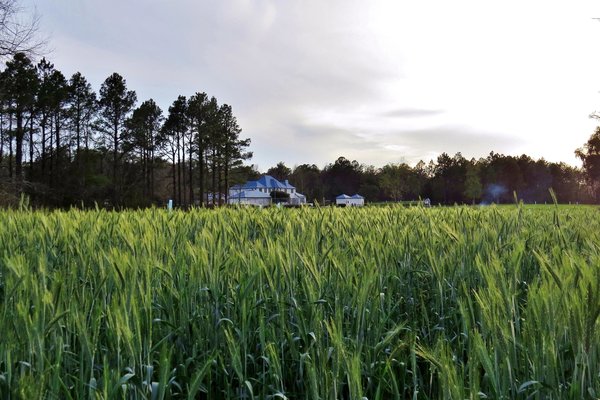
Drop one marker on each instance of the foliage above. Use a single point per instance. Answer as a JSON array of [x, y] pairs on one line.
[[448, 180], [62, 145], [280, 172], [19, 86], [307, 180], [473, 188], [279, 196], [378, 303], [115, 104], [590, 156]]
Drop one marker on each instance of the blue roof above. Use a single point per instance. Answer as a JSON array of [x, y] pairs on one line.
[[264, 182], [287, 185], [357, 196], [269, 182], [343, 197], [253, 185]]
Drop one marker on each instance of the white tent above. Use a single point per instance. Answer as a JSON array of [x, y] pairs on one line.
[[357, 200], [350, 201]]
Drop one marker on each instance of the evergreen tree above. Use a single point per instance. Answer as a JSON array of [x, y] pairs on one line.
[[307, 179], [589, 154], [44, 104], [20, 87], [200, 110], [115, 105], [82, 105], [58, 96], [234, 148], [280, 172], [395, 180], [473, 189], [176, 125], [143, 128], [5, 121]]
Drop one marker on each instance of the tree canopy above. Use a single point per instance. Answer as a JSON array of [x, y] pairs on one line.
[[590, 157], [62, 144]]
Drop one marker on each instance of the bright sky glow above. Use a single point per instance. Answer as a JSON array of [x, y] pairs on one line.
[[377, 81]]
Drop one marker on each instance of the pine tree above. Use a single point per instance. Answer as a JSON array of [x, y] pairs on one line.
[[82, 106], [589, 154], [473, 188], [21, 85], [199, 116], [115, 105], [175, 127], [143, 128]]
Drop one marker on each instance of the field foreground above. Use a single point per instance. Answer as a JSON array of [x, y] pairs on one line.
[[380, 303]]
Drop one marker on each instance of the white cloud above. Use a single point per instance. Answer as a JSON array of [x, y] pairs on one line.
[[376, 81]]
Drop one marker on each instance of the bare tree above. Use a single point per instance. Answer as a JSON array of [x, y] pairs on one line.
[[18, 32]]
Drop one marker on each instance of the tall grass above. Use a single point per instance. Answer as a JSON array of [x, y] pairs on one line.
[[377, 303]]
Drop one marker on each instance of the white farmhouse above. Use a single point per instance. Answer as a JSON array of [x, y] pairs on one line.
[[350, 201], [249, 197], [259, 192]]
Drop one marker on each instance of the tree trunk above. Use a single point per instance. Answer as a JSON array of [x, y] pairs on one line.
[[1, 137], [219, 181], [43, 155], [87, 139], [80, 173], [226, 166], [19, 149], [10, 152], [190, 175], [145, 173], [214, 176], [173, 173], [226, 171], [179, 170], [184, 180], [115, 160], [206, 175], [58, 149], [152, 173], [201, 168], [31, 145], [51, 168]]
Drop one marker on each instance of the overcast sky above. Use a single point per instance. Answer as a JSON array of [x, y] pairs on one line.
[[374, 81]]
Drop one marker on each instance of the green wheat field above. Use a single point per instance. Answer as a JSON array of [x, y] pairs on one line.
[[499, 302]]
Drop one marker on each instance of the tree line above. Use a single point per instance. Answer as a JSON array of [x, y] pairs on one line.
[[63, 144], [447, 180]]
